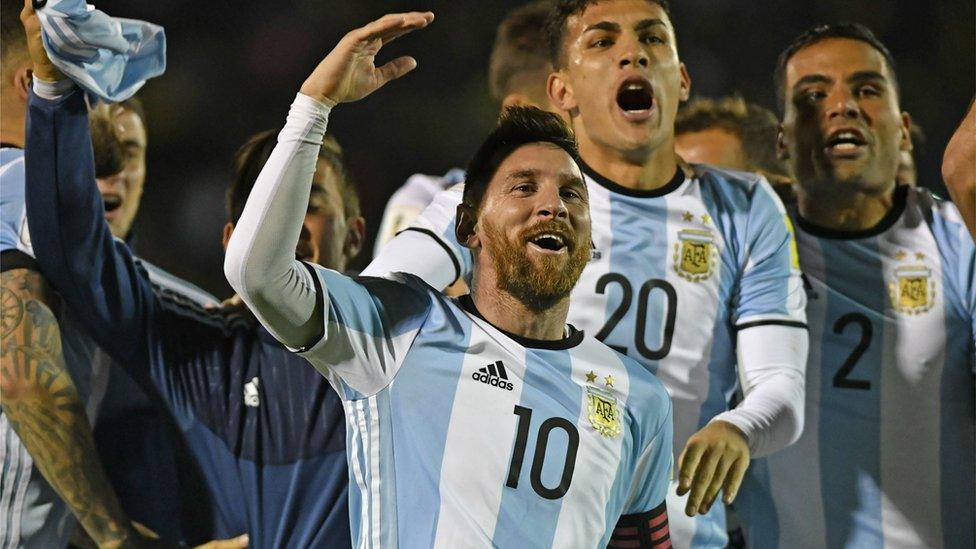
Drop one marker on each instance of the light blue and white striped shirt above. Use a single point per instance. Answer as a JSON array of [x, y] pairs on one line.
[[886, 459], [460, 435]]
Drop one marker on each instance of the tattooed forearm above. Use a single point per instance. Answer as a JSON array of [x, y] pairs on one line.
[[42, 404]]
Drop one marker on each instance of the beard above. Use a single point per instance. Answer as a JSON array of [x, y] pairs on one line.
[[537, 284]]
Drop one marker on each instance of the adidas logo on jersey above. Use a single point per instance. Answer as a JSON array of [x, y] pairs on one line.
[[252, 396], [494, 375]]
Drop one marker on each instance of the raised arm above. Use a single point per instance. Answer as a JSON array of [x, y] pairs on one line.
[[959, 169], [95, 275], [260, 263]]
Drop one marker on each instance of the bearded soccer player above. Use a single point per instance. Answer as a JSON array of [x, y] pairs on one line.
[[481, 421], [886, 459], [691, 266]]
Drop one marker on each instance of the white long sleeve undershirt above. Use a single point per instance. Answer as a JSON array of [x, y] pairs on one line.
[[260, 262], [772, 373]]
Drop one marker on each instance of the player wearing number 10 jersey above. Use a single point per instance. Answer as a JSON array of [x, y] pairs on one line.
[[482, 422], [886, 459], [690, 264]]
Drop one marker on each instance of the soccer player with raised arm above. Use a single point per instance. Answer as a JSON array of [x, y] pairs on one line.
[[693, 269], [886, 459], [484, 421]]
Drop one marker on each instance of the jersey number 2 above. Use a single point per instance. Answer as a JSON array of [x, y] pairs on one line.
[[840, 378], [640, 326], [542, 441]]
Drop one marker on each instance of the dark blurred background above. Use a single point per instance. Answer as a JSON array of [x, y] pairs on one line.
[[234, 67]]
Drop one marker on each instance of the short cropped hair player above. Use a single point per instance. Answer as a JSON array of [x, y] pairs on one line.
[[576, 450], [886, 457]]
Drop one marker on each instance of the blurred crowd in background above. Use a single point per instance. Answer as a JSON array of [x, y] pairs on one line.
[[233, 67]]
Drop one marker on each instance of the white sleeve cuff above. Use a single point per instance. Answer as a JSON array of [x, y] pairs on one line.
[[53, 91]]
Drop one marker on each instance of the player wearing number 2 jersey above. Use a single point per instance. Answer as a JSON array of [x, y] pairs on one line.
[[486, 421], [690, 263], [886, 459]]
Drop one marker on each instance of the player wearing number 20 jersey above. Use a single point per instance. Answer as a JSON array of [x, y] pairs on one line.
[[675, 274], [460, 435], [886, 458]]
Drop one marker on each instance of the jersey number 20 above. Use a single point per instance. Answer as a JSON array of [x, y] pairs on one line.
[[640, 326]]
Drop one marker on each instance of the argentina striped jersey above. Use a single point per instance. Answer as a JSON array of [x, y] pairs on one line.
[[460, 435], [886, 459]]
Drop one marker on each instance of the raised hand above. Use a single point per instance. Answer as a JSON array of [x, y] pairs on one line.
[[43, 68], [349, 72], [716, 457]]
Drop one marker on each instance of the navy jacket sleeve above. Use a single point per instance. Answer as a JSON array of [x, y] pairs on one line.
[[96, 275]]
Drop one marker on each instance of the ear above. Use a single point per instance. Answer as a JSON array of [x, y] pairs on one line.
[[906, 133], [465, 220], [228, 230], [685, 83], [560, 92], [355, 237], [22, 82], [782, 151], [517, 100]]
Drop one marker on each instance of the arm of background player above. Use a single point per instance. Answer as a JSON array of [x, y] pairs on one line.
[[428, 248], [96, 276], [770, 321], [959, 169], [43, 406], [260, 263], [645, 524]]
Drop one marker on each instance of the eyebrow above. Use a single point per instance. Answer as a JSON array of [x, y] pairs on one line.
[[645, 24], [523, 174], [812, 79], [861, 76], [572, 179]]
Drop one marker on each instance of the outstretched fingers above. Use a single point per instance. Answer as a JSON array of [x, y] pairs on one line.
[[391, 26], [396, 68]]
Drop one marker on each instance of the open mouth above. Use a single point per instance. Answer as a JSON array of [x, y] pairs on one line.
[[549, 241], [111, 202], [845, 142], [635, 96]]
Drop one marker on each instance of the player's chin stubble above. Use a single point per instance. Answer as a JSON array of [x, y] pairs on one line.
[[537, 284]]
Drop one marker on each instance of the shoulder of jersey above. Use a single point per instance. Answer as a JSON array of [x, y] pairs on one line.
[[927, 201], [167, 282], [733, 179], [421, 188]]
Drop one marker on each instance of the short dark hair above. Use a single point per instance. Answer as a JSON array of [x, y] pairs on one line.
[[754, 126], [517, 126], [108, 151], [844, 29], [134, 104], [253, 155], [520, 50], [555, 28], [13, 40]]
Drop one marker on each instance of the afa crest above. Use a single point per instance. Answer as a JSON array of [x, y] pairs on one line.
[[695, 255], [912, 290], [604, 415]]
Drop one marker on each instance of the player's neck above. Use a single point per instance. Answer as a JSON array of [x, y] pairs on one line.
[[844, 211], [13, 120], [637, 170], [509, 314]]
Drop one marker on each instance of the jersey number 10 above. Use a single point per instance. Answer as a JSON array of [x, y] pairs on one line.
[[542, 441]]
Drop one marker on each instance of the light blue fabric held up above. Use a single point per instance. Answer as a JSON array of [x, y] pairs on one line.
[[109, 57]]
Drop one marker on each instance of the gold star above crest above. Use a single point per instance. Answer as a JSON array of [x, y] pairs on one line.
[[590, 377], [900, 255], [609, 380], [919, 256], [687, 216], [706, 219]]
